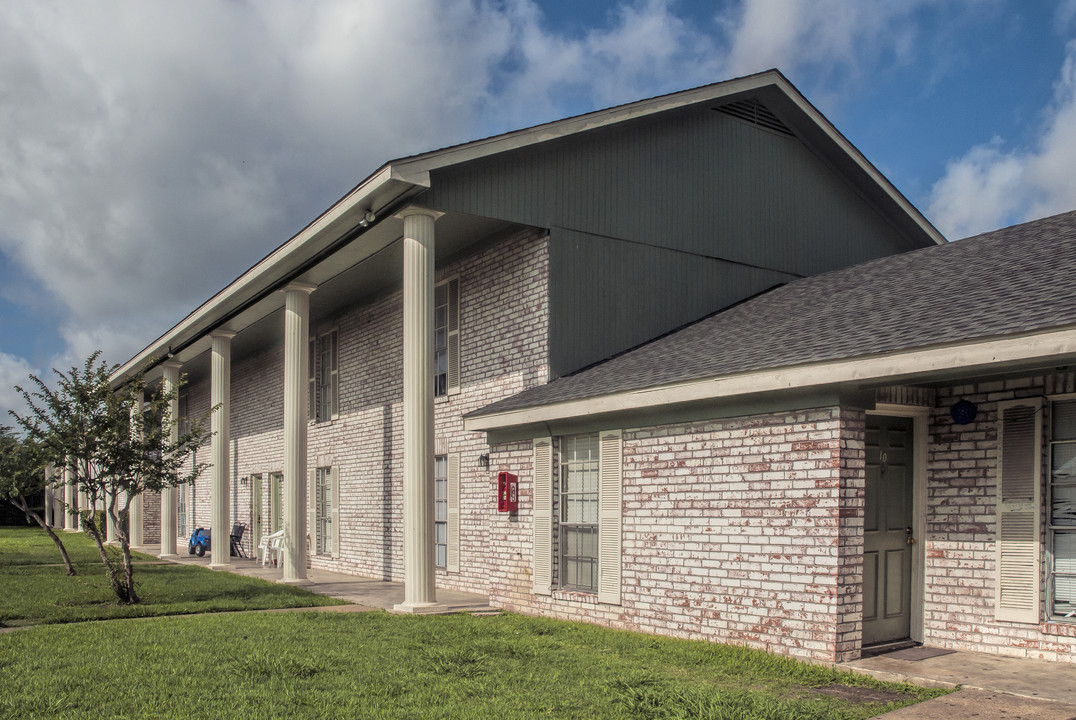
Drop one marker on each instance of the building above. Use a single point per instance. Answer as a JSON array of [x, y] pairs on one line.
[[748, 392]]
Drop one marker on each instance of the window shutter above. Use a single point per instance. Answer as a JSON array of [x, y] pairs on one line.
[[334, 376], [452, 550], [1017, 595], [311, 514], [543, 516], [312, 406], [609, 518], [334, 484], [453, 380]]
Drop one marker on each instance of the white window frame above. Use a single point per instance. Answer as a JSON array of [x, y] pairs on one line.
[[183, 421], [440, 511], [1052, 531], [566, 496], [325, 512], [182, 512], [324, 379], [276, 501], [446, 337], [610, 519]]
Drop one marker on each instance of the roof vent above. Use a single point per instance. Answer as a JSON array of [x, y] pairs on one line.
[[754, 112]]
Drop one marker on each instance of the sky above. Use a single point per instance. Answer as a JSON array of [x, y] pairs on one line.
[[152, 151]]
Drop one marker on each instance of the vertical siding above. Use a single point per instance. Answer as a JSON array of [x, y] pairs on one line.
[[702, 209]]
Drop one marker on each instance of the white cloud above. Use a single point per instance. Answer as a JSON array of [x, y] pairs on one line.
[[152, 151], [830, 36], [990, 187], [13, 371]]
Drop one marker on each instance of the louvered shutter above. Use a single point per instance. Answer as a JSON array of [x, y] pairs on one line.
[[1019, 503], [334, 484], [609, 518], [452, 550], [543, 516], [334, 376], [311, 513], [453, 381]]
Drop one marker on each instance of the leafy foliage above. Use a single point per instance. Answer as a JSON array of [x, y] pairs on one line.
[[116, 443], [22, 474]]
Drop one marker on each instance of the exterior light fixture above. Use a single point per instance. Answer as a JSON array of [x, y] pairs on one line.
[[483, 461]]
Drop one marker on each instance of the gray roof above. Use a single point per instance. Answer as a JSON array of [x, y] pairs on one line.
[[1015, 280]]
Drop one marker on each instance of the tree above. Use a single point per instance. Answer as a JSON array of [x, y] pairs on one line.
[[115, 447], [22, 474]]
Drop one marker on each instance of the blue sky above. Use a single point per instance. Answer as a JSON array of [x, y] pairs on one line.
[[152, 151]]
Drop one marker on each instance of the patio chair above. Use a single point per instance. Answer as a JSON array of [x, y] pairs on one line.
[[237, 540], [271, 545]]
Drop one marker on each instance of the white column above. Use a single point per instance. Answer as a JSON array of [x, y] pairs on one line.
[[296, 368], [134, 519], [420, 593], [70, 500], [220, 391], [169, 496]]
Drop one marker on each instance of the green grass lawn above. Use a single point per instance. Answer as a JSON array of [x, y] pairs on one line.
[[307, 664], [31, 546], [35, 589]]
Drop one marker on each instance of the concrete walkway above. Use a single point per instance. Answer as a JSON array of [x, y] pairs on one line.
[[992, 686], [369, 593]]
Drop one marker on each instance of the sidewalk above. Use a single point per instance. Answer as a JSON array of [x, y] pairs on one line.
[[991, 686], [371, 593]]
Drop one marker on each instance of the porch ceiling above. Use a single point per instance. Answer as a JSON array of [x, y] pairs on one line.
[[367, 265]]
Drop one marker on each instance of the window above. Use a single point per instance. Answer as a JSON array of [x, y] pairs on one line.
[[324, 377], [588, 515], [440, 510], [1061, 572], [276, 501], [578, 516], [323, 510], [181, 512], [184, 421], [446, 338]]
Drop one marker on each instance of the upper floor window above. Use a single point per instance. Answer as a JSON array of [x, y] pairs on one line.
[[184, 419], [324, 377], [446, 337]]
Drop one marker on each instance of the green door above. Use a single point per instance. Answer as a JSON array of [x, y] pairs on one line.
[[887, 530]]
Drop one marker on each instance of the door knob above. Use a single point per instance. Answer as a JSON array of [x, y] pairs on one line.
[[909, 539]]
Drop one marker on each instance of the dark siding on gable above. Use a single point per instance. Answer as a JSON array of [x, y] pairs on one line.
[[656, 223]]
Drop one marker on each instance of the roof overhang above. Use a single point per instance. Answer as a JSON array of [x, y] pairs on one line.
[[249, 299], [922, 365]]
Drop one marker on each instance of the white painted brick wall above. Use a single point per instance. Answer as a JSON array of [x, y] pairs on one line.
[[732, 532], [504, 320]]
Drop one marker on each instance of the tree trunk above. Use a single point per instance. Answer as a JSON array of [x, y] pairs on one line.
[[122, 523], [21, 503]]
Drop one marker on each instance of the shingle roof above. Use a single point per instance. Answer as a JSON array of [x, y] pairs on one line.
[[1014, 280]]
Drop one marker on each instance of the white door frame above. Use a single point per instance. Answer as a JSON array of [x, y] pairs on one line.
[[920, 437]]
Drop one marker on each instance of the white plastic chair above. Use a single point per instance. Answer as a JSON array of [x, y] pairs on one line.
[[271, 545]]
